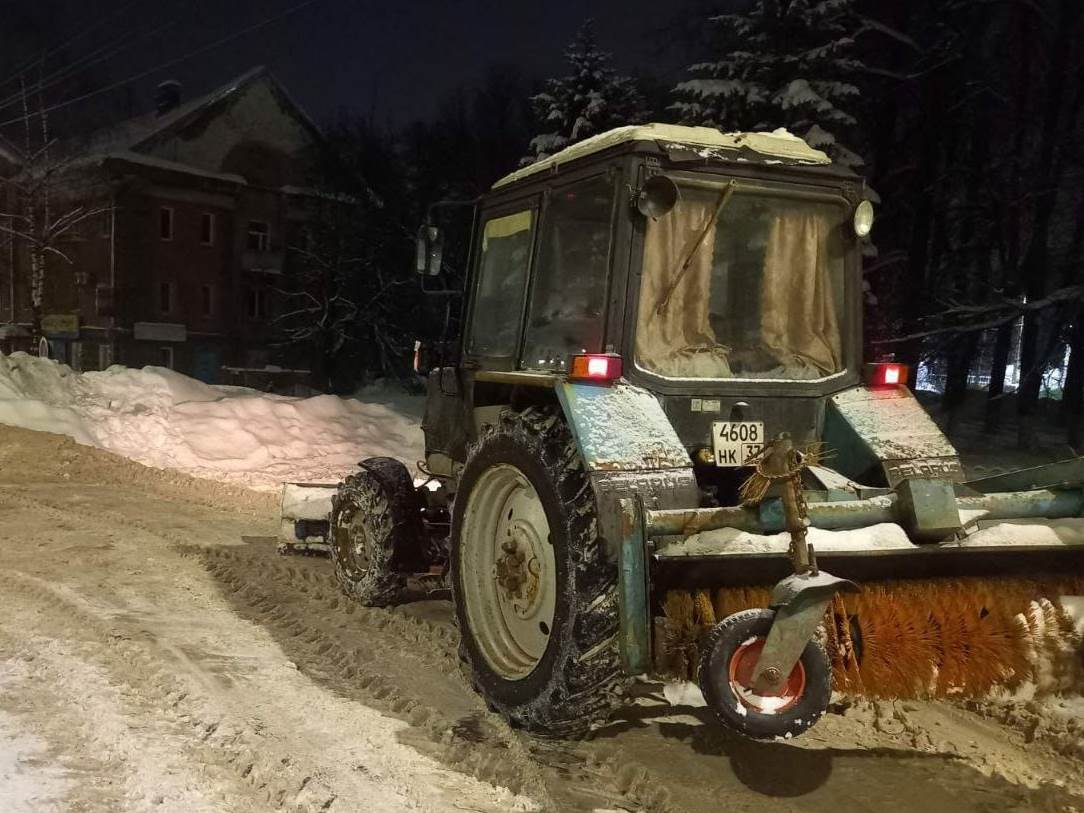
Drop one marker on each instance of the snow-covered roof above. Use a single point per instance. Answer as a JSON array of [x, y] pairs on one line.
[[778, 144], [161, 163], [135, 133]]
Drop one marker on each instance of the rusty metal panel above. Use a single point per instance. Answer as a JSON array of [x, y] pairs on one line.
[[632, 591], [669, 488], [621, 428], [928, 509], [887, 429]]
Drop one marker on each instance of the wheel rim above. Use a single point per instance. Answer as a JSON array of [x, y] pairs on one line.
[[352, 542], [509, 575], [742, 665]]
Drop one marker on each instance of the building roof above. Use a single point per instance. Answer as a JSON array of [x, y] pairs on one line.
[[140, 132], [778, 145]]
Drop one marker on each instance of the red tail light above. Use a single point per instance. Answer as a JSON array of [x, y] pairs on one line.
[[595, 367], [887, 374]]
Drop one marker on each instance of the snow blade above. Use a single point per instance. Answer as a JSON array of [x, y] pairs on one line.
[[304, 517]]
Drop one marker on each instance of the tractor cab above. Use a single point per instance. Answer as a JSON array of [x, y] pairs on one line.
[[719, 272]]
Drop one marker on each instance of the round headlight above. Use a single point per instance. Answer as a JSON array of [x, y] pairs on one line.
[[863, 218]]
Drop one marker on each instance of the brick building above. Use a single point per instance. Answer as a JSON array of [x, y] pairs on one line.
[[184, 267]]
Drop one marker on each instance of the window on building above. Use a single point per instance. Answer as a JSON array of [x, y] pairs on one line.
[[207, 299], [259, 235], [103, 300], [207, 229], [165, 223], [105, 356], [300, 236], [165, 297], [165, 357], [257, 303]]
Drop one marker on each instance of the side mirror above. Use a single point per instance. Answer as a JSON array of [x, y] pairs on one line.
[[429, 250], [657, 197]]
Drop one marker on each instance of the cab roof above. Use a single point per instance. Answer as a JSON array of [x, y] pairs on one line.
[[778, 146]]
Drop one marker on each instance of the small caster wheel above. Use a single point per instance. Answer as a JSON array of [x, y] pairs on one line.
[[729, 654]]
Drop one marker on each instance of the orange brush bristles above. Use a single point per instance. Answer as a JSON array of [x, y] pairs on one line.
[[915, 639]]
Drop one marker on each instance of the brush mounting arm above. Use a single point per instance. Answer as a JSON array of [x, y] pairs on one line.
[[800, 602]]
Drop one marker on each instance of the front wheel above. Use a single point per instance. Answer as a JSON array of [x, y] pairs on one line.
[[376, 532], [729, 655]]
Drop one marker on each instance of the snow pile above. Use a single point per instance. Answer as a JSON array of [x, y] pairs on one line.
[[1037, 531], [164, 419], [731, 540]]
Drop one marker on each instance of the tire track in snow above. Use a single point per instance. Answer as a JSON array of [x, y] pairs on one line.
[[355, 650], [218, 743]]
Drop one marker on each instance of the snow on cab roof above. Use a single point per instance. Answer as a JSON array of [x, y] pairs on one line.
[[778, 144]]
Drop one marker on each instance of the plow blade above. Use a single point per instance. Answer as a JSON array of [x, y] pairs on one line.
[[304, 513]]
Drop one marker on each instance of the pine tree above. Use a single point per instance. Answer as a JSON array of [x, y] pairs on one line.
[[591, 99], [784, 63]]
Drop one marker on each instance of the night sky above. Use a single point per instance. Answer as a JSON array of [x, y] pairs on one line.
[[394, 61]]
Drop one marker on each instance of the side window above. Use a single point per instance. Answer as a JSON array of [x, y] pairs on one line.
[[502, 284], [568, 301]]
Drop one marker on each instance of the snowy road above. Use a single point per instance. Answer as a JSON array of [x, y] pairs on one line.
[[156, 654]]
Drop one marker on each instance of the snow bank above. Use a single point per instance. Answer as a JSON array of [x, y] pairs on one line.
[[161, 418]]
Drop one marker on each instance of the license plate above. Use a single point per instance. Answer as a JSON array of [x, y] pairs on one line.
[[735, 442]]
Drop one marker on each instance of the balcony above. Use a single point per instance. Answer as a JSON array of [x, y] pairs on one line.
[[265, 262]]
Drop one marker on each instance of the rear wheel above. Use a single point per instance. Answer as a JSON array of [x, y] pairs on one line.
[[376, 532], [729, 655], [535, 595]]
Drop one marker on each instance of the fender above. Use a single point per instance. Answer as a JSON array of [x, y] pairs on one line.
[[621, 428], [634, 460]]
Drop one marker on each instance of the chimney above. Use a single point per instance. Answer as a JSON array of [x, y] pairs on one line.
[[167, 96]]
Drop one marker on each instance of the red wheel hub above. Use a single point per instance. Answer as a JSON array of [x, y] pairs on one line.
[[771, 701]]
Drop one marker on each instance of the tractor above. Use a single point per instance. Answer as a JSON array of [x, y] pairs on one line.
[[656, 450]]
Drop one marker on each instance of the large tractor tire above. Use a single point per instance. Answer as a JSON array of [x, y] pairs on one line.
[[377, 533], [535, 594]]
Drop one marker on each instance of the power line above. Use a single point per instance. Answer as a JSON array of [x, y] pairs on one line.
[[32, 61], [168, 64], [95, 57]]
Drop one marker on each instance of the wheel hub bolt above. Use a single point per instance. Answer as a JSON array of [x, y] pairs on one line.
[[772, 674]]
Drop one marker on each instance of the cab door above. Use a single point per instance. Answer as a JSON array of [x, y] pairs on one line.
[[499, 287], [570, 278]]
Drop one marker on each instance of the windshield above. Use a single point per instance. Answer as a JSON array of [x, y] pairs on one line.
[[742, 282]]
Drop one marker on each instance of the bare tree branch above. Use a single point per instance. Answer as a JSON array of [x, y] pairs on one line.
[[1000, 313]]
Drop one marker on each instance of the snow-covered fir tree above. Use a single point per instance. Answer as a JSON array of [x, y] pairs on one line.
[[591, 99], [781, 63]]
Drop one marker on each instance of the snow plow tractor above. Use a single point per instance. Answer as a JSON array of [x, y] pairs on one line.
[[657, 452]]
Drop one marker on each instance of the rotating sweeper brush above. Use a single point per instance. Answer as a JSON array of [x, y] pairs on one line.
[[761, 654]]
